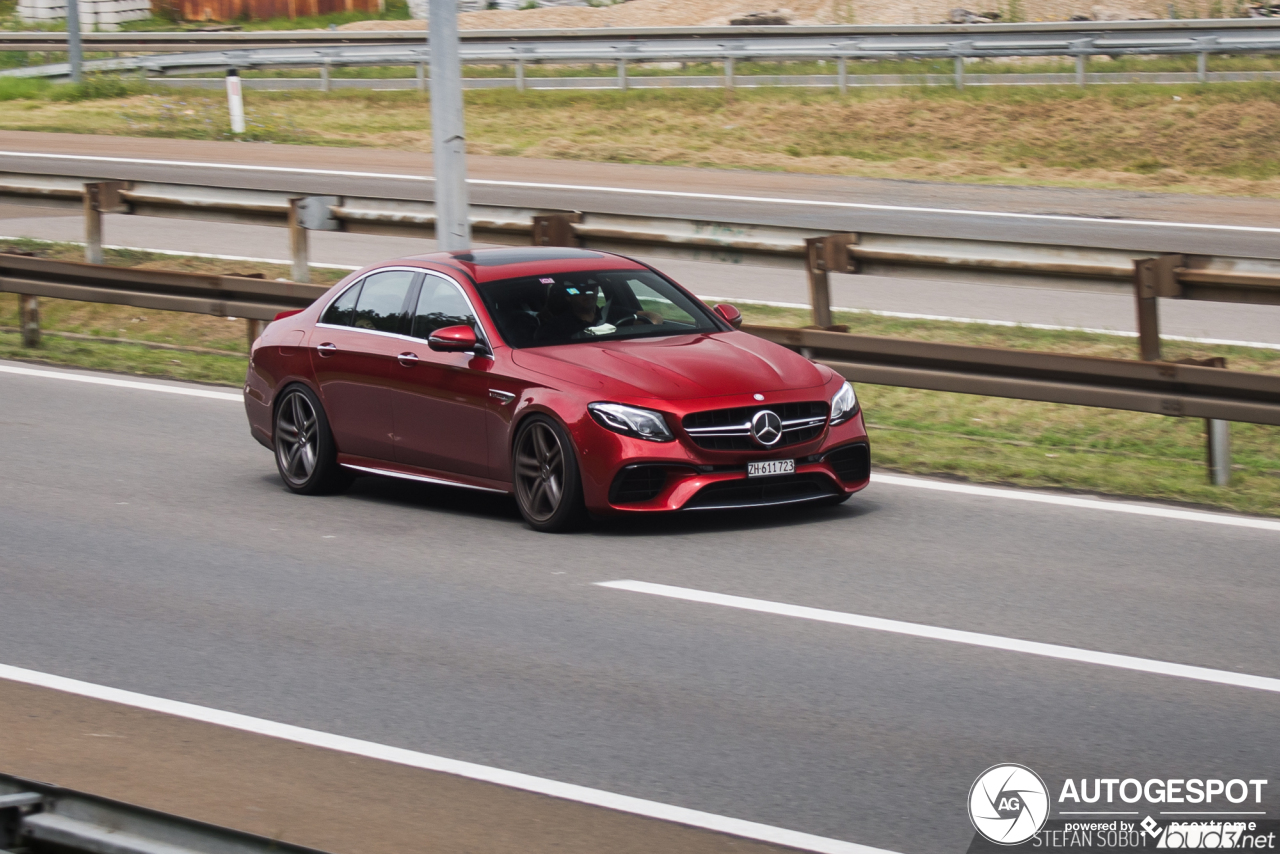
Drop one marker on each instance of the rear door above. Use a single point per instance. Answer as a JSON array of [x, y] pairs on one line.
[[353, 350], [441, 399]]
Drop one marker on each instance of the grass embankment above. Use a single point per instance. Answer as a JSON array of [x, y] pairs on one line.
[[984, 439], [1217, 138]]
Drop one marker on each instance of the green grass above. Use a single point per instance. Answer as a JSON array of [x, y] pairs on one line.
[[127, 359]]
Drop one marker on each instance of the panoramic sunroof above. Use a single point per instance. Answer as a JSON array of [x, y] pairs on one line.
[[523, 255]]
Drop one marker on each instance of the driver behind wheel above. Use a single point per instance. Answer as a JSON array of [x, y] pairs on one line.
[[572, 308]]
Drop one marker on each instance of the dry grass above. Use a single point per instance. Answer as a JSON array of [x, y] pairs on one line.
[[1216, 139]]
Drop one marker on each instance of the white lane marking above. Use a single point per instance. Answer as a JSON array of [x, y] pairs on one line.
[[907, 315], [722, 197], [1082, 503], [1051, 650], [111, 381], [426, 761]]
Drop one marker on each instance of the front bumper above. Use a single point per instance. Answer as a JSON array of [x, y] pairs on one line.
[[645, 477]]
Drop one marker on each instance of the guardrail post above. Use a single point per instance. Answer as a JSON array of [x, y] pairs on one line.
[[519, 75], [622, 75], [1218, 439], [842, 74], [254, 329], [555, 229], [1153, 278], [325, 85], [422, 77], [728, 72], [1080, 66], [299, 250], [1202, 67], [825, 255], [29, 319], [99, 197], [960, 72]]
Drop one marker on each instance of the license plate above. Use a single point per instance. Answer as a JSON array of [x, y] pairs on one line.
[[771, 467]]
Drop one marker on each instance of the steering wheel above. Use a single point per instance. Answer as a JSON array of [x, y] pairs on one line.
[[633, 319]]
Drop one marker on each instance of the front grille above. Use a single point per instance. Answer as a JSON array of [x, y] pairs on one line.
[[852, 463], [637, 483], [730, 429], [782, 489]]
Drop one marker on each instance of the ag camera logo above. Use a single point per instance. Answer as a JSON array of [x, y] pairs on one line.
[[1008, 804]]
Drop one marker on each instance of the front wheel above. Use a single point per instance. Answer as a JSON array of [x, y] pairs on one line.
[[305, 452], [548, 484]]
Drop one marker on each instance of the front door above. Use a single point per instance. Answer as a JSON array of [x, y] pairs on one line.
[[353, 351], [441, 399]]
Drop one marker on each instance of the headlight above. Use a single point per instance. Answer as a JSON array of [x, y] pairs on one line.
[[631, 421], [844, 405]]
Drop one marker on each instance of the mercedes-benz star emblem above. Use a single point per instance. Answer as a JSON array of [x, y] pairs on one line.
[[766, 428]]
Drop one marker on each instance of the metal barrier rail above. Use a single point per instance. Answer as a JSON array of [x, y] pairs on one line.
[[1204, 390], [37, 816], [819, 253], [727, 49], [166, 42]]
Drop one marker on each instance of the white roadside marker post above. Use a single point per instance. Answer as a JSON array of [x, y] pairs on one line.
[[448, 128], [235, 101]]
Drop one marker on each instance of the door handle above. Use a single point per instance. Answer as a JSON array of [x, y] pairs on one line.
[[326, 349], [408, 359]]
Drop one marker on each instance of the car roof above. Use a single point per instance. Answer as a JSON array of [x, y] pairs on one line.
[[510, 262]]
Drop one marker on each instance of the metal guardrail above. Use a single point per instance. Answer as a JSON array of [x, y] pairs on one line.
[[41, 817], [1204, 390], [164, 42], [1196, 277], [1163, 388], [1096, 40]]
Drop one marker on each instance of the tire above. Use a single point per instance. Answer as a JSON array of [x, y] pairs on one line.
[[306, 455], [545, 472]]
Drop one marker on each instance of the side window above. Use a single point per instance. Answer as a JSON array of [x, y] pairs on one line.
[[381, 303], [339, 311], [440, 304]]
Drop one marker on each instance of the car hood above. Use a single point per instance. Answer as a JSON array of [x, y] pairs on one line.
[[676, 367]]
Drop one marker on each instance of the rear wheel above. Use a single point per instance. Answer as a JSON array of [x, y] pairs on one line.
[[548, 484], [305, 452]]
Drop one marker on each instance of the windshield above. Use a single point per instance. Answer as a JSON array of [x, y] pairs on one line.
[[564, 308]]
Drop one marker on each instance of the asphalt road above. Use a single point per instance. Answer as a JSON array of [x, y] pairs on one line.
[[952, 210], [149, 546]]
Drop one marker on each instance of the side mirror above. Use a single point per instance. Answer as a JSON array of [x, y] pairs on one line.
[[730, 314], [453, 339]]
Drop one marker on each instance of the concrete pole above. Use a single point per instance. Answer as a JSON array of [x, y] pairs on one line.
[[299, 250], [29, 319], [1218, 439], [235, 101], [448, 128], [75, 55], [92, 230]]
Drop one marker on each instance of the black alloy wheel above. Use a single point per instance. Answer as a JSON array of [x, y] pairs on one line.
[[545, 470], [305, 452]]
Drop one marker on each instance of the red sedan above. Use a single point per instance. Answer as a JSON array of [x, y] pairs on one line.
[[580, 381]]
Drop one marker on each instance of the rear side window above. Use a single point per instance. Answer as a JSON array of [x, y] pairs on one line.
[[381, 304], [441, 304], [339, 311]]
